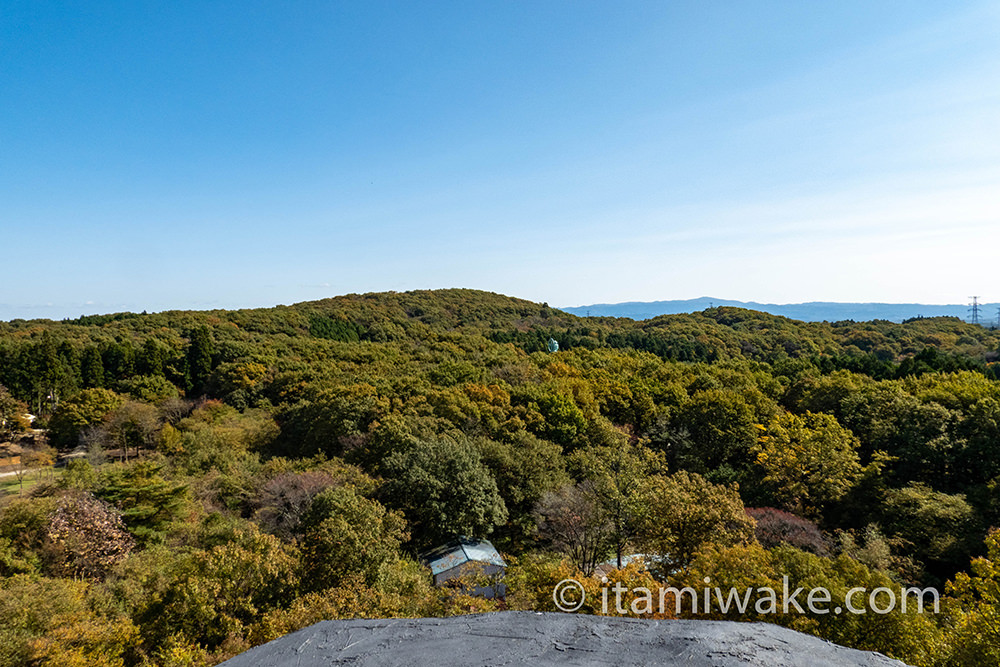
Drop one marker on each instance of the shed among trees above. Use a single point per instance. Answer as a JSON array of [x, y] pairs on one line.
[[476, 565]]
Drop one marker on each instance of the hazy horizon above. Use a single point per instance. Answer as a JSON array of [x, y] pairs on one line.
[[56, 313]]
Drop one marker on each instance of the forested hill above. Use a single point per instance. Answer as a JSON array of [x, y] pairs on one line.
[[130, 343], [715, 333], [233, 476]]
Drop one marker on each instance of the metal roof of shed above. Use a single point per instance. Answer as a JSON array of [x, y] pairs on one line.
[[462, 550]]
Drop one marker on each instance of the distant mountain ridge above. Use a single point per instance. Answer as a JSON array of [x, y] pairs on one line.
[[813, 311]]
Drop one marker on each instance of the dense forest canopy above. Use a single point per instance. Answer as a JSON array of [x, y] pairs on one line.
[[317, 449]]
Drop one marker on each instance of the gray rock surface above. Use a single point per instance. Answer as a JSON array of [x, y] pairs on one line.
[[537, 639]]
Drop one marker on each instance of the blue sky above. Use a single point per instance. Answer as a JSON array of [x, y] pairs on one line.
[[237, 154]]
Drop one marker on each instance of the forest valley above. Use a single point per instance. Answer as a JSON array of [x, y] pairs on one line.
[[232, 476]]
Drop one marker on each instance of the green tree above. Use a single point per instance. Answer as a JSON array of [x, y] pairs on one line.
[[911, 636], [444, 489], [325, 422], [61, 623], [941, 529], [525, 469], [50, 373], [146, 500], [218, 436], [199, 359], [721, 427], [151, 358], [979, 461], [149, 388], [91, 367], [24, 522], [564, 421], [88, 408], [119, 360], [78, 475], [621, 474], [345, 533], [216, 594]]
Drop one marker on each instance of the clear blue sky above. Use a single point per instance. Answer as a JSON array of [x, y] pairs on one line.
[[230, 154]]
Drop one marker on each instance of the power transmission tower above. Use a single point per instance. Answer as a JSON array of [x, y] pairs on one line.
[[975, 309]]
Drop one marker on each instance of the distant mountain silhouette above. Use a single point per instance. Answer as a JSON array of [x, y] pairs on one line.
[[813, 311]]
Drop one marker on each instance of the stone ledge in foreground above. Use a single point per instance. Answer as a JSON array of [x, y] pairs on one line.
[[537, 639]]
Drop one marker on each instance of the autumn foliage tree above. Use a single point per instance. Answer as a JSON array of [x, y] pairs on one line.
[[12, 419], [286, 497], [87, 538], [809, 460], [773, 527], [573, 521], [687, 513], [975, 610]]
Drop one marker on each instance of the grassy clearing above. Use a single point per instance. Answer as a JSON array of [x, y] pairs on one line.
[[11, 485]]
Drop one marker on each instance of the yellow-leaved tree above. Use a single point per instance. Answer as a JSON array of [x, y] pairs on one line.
[[809, 460], [974, 609]]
